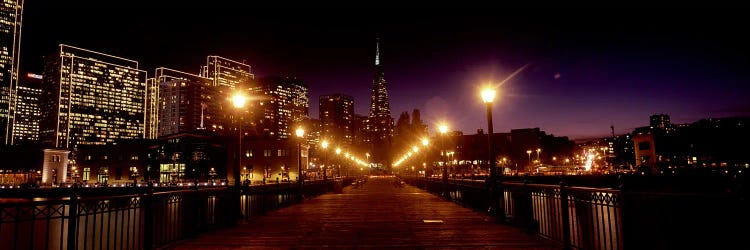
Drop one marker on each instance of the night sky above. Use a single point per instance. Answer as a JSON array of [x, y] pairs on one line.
[[585, 69]]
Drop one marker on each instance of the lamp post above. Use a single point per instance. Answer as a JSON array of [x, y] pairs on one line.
[[496, 199], [443, 129], [324, 145], [346, 156], [425, 142], [529, 153], [415, 149], [338, 164], [300, 132], [538, 151], [367, 155], [238, 100]]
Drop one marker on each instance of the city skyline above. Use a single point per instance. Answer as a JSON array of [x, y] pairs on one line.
[[576, 81]]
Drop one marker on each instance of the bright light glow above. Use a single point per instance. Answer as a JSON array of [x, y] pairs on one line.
[[415, 149], [338, 150], [35, 76], [300, 132], [425, 142], [589, 161], [324, 144], [443, 128], [239, 100], [488, 95]]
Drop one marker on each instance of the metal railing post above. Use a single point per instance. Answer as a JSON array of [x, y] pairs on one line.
[[147, 209], [565, 216], [73, 220]]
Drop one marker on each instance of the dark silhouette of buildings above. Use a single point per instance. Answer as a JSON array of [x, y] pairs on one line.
[[337, 118]]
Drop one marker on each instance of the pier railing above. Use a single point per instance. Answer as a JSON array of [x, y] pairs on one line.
[[144, 220], [605, 218]]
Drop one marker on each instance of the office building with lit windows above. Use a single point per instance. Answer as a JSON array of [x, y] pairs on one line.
[[284, 103], [91, 98], [187, 102], [227, 72], [11, 12], [337, 117], [26, 123]]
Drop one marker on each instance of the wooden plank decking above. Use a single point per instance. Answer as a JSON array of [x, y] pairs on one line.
[[376, 215]]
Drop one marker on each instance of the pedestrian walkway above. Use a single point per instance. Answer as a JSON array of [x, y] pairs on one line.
[[375, 215]]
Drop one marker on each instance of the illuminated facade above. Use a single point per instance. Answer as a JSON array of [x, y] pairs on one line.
[[285, 104], [91, 98], [187, 102], [226, 72], [337, 117], [11, 12], [26, 123], [380, 124], [152, 108]]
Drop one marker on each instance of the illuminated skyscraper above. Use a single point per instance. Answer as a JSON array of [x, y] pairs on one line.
[[337, 117], [187, 102], [380, 124], [91, 98], [285, 104], [226, 72], [26, 123], [11, 12]]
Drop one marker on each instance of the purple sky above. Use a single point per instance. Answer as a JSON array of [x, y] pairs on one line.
[[586, 70]]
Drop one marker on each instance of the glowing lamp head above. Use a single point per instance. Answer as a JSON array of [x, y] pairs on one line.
[[425, 142], [338, 150], [324, 144], [239, 100], [443, 128], [488, 95], [300, 132]]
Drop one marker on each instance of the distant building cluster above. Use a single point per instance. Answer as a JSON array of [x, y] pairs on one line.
[[94, 109], [665, 147]]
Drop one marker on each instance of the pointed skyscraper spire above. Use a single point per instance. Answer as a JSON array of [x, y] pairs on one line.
[[381, 122], [377, 51]]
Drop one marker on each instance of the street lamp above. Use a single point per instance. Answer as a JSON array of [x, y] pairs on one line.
[[425, 142], [324, 145], [488, 96], [300, 132], [338, 165], [238, 100], [443, 128], [529, 152], [538, 159]]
